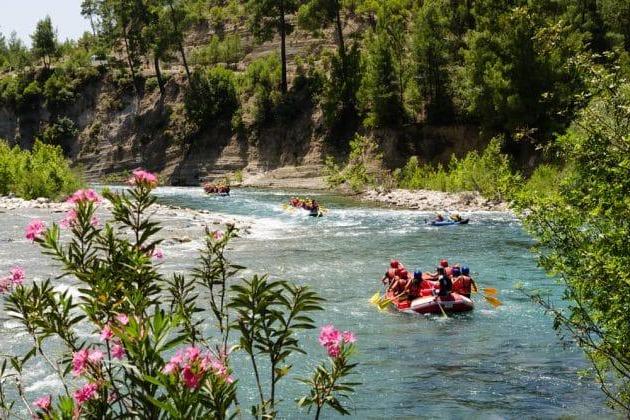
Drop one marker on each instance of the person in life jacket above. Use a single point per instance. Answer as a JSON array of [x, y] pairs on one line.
[[439, 217], [414, 287], [445, 283], [467, 284]]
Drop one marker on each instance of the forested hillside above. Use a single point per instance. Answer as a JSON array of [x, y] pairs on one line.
[[196, 88]]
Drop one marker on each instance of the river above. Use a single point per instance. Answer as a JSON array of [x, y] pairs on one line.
[[490, 363]]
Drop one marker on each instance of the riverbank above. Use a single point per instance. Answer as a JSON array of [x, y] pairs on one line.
[[426, 200], [180, 224]]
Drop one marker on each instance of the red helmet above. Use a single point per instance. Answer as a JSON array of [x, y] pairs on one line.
[[403, 274], [443, 263], [394, 263]]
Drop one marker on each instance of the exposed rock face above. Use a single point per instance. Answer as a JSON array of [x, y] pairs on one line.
[[118, 133]]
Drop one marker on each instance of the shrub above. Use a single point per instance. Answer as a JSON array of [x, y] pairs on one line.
[[229, 51], [155, 355], [60, 133], [489, 173], [42, 172], [259, 88], [364, 166], [211, 96]]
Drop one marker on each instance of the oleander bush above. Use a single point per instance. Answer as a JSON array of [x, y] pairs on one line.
[[158, 346]]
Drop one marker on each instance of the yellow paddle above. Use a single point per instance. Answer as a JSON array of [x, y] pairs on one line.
[[492, 300]]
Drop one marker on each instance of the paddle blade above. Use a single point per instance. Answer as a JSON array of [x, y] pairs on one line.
[[490, 290], [493, 301], [374, 300], [383, 304]]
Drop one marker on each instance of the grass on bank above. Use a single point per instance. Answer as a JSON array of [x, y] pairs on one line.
[[490, 173], [42, 172]]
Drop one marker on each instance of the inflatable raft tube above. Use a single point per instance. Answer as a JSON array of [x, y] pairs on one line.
[[449, 222]]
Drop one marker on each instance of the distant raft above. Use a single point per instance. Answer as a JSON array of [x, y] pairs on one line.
[[312, 206], [220, 190], [449, 222]]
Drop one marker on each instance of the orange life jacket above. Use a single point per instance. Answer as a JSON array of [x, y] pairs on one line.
[[462, 285]]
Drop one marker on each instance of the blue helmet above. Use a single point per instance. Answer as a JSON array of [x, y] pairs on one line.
[[465, 270], [417, 274], [456, 271]]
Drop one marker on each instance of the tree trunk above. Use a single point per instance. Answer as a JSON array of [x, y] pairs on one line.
[[183, 54], [180, 35], [158, 74], [130, 63], [340, 41], [283, 50]]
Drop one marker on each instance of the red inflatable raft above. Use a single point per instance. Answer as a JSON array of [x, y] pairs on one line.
[[431, 304]]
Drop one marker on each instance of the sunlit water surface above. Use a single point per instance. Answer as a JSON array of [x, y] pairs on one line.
[[490, 363]]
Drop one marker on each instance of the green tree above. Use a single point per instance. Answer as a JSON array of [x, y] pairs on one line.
[[45, 41], [268, 17], [431, 52], [379, 93], [583, 230]]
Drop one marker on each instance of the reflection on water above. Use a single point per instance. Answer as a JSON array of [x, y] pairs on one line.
[[489, 363]]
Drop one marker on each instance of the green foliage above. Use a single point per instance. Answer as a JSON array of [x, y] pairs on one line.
[[259, 88], [338, 98], [489, 173], [45, 41], [60, 133], [432, 56], [363, 168], [211, 97], [517, 73], [583, 230], [42, 172], [379, 94], [228, 50]]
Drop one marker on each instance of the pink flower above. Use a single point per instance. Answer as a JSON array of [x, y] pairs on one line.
[[106, 333], [79, 361], [332, 340], [170, 368], [88, 195], [43, 403], [178, 359], [192, 353], [95, 356], [142, 177], [69, 220], [34, 230], [329, 335], [190, 378], [118, 351], [333, 350], [123, 319], [95, 222], [88, 392], [217, 235], [348, 337], [17, 275], [157, 253], [5, 284]]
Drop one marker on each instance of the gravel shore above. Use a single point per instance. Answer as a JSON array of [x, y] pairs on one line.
[[179, 224], [425, 200]]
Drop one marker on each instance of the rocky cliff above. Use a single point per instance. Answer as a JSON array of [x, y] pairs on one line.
[[116, 132]]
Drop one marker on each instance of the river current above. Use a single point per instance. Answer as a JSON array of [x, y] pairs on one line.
[[490, 363]]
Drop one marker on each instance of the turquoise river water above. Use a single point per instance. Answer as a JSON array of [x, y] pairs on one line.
[[490, 363]]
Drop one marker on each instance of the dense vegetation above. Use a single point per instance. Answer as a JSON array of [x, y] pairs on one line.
[[42, 172], [583, 231], [508, 67]]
